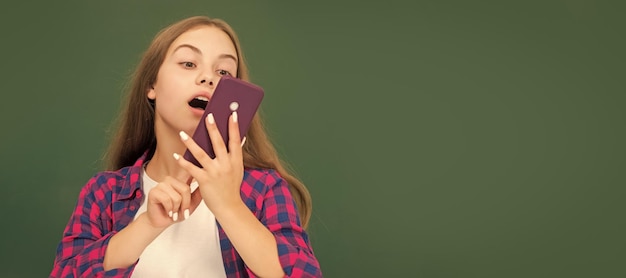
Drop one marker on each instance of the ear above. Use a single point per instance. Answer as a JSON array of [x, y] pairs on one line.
[[151, 94]]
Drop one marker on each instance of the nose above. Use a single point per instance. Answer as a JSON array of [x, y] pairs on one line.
[[205, 78], [210, 82]]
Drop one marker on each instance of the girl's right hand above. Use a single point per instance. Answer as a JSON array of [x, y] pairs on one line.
[[171, 201]]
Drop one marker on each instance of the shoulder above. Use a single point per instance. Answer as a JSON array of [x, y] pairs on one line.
[[262, 175], [110, 182], [109, 178], [259, 181]]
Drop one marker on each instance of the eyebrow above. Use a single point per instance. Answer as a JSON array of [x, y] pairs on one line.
[[197, 50]]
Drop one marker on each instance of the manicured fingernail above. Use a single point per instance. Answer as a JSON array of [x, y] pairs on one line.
[[183, 135], [170, 213], [210, 118], [186, 214], [176, 156], [235, 116], [243, 141], [175, 217]]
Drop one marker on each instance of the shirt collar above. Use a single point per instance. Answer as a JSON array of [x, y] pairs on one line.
[[132, 178]]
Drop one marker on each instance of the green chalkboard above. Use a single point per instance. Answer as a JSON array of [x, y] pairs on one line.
[[437, 138]]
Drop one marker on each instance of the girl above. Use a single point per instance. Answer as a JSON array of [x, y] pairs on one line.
[[154, 214]]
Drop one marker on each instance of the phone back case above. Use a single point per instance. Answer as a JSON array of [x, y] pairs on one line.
[[231, 94]]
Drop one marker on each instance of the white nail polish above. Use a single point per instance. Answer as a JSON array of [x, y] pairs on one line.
[[210, 118], [235, 116], [170, 213], [176, 156], [183, 135], [186, 214], [175, 217], [243, 141]]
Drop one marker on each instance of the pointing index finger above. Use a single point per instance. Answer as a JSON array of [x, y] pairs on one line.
[[182, 175]]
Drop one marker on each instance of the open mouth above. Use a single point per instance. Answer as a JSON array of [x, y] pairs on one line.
[[199, 102]]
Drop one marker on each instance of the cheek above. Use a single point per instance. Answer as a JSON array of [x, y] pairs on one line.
[[169, 88]]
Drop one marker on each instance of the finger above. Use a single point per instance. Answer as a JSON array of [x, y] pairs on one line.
[[194, 171], [160, 198], [196, 198], [243, 141], [234, 144], [183, 177], [219, 148], [175, 198], [197, 152], [185, 193]]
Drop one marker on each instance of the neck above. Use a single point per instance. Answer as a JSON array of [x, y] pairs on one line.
[[163, 164]]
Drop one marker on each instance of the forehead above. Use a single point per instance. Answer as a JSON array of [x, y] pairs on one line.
[[209, 39]]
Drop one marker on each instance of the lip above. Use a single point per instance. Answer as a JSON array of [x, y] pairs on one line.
[[201, 94], [196, 112]]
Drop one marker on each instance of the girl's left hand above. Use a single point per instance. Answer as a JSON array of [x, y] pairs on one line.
[[219, 180]]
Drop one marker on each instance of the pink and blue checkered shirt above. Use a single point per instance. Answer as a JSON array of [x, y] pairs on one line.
[[110, 200]]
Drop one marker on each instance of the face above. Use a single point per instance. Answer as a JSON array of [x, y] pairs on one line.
[[192, 67]]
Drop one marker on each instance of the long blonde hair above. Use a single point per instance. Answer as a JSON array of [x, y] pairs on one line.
[[135, 132]]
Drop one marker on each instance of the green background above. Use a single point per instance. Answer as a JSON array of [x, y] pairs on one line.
[[437, 138]]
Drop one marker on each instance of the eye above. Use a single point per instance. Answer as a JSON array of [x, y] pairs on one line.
[[188, 65], [223, 72]]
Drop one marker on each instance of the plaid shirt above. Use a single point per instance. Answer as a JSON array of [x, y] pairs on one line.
[[110, 200]]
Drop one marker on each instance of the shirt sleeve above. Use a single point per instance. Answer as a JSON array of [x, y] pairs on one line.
[[280, 216], [86, 236]]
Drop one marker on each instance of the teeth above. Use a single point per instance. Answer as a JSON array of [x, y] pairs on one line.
[[203, 98]]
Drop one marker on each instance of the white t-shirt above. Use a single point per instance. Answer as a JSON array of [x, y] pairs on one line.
[[190, 248]]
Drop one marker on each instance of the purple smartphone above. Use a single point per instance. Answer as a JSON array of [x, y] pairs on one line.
[[231, 94]]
